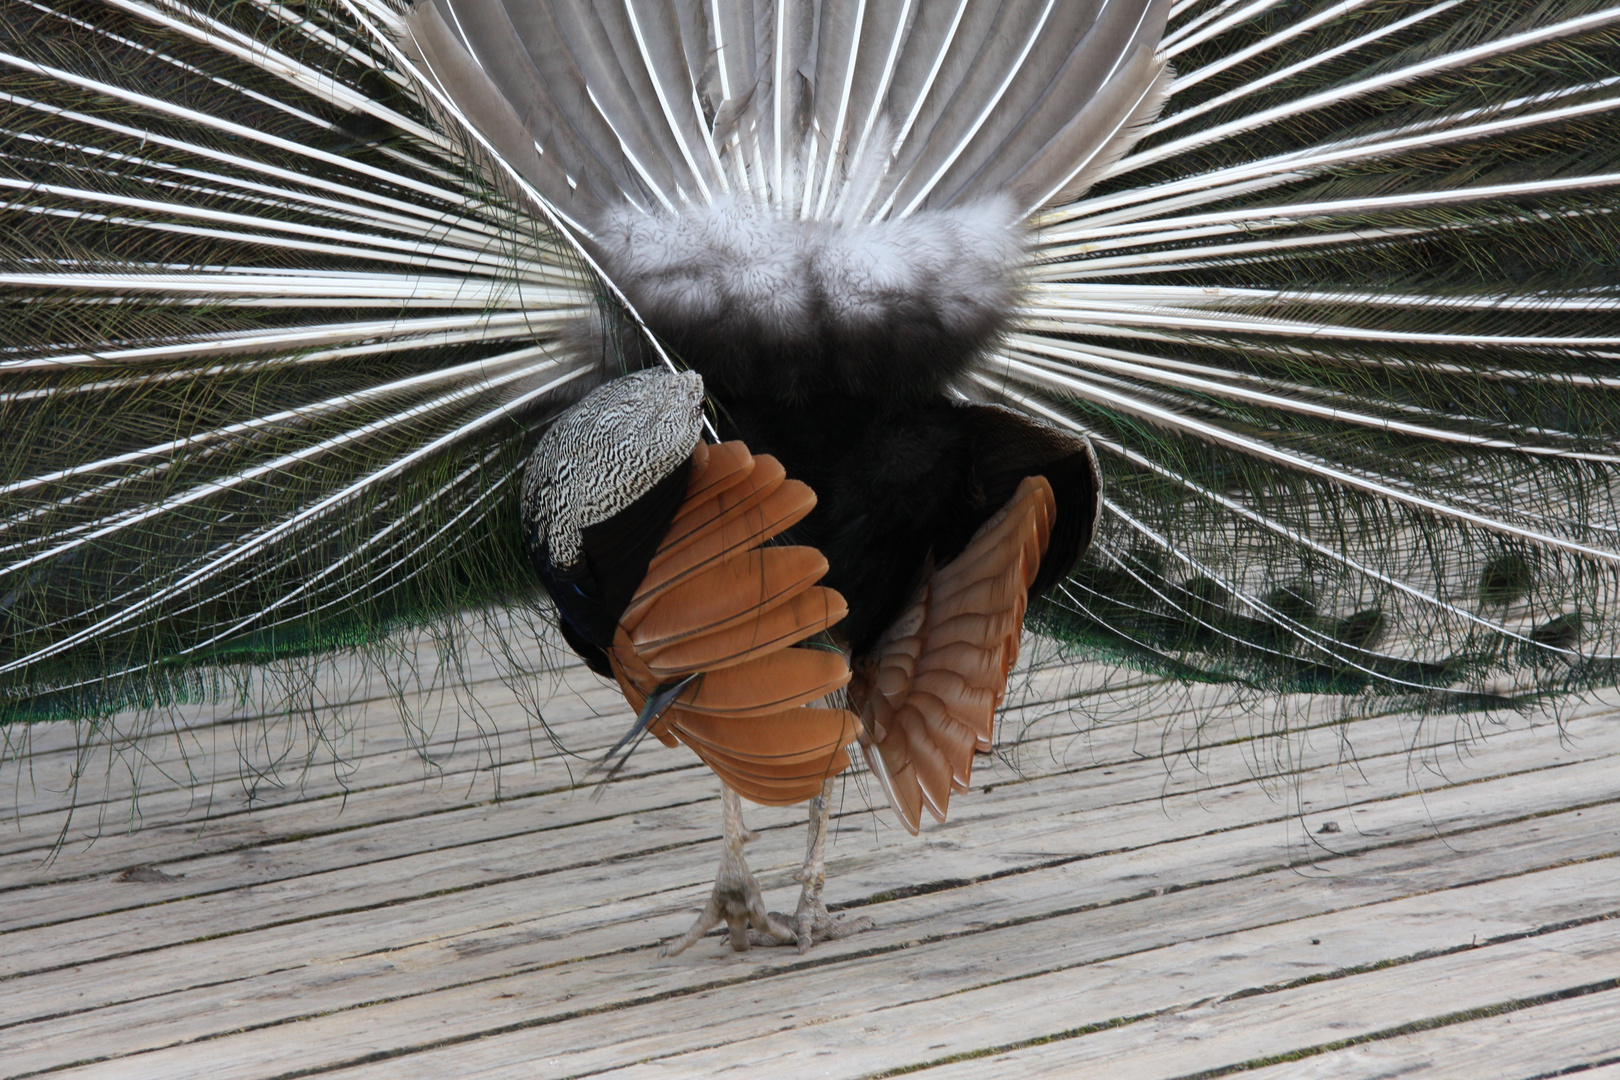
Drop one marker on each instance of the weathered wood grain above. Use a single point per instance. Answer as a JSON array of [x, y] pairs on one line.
[[1223, 884], [1556, 1038]]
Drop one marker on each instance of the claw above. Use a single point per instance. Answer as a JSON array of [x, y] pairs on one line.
[[813, 923]]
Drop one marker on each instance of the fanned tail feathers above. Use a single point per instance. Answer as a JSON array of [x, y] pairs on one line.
[[274, 349], [1330, 287], [1342, 327]]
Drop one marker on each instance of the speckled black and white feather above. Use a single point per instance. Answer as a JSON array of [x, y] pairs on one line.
[[605, 453]]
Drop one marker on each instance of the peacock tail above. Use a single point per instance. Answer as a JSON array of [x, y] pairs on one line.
[[293, 289], [274, 349]]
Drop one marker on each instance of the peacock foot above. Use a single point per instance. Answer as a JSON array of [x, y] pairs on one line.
[[812, 922], [736, 900]]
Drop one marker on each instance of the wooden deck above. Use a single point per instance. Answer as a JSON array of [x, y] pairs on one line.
[[1362, 898]]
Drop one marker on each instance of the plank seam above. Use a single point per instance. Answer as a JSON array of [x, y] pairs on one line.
[[809, 963]]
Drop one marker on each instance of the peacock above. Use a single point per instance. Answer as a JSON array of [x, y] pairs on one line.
[[792, 358]]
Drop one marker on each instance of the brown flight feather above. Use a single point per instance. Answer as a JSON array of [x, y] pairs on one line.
[[717, 603], [928, 698]]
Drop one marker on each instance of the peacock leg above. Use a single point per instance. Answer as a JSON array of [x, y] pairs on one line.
[[736, 899], [812, 922]]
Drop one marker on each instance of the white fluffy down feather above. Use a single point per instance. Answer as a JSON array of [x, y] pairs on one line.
[[732, 285]]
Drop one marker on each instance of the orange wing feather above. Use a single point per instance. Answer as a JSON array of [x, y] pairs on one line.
[[928, 699], [716, 601]]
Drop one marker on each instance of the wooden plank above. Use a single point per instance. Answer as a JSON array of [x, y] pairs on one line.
[[592, 723], [481, 695], [409, 789], [990, 837], [1100, 884], [1556, 1038], [229, 835], [574, 695], [1133, 1037], [1602, 1072], [932, 855], [1228, 1033], [224, 799], [235, 775], [502, 948], [400, 802], [300, 940], [481, 944], [414, 670], [876, 1013]]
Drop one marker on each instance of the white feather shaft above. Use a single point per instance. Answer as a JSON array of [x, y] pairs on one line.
[[1318, 58], [427, 331], [1275, 386], [1239, 56], [1196, 22], [1063, 360], [229, 40], [540, 203], [836, 137], [1286, 168], [284, 417], [1216, 435], [675, 126], [1173, 230], [413, 251], [246, 549], [1247, 513], [984, 114], [271, 288], [355, 198], [285, 146], [904, 132], [1310, 102], [1211, 296], [1165, 318], [235, 88], [1068, 267], [444, 240], [1184, 41], [880, 96], [69, 539]]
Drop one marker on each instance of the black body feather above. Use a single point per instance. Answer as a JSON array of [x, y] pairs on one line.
[[593, 592], [903, 484]]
